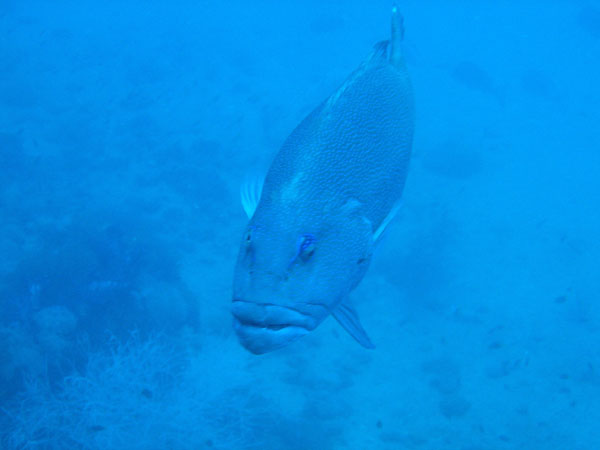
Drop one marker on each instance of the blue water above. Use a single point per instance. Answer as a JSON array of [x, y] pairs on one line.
[[126, 129]]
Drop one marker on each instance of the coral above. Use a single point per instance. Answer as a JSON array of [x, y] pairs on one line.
[[141, 394]]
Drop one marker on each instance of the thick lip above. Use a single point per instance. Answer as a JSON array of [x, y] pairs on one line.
[[260, 340], [271, 317]]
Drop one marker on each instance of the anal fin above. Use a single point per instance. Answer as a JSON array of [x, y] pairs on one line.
[[347, 317]]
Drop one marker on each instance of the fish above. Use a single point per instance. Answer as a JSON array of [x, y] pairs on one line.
[[329, 194]]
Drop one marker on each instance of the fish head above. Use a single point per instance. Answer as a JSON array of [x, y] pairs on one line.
[[290, 276]]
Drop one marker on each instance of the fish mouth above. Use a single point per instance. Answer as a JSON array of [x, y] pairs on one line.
[[264, 327]]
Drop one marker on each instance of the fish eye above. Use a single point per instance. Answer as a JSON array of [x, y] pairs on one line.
[[306, 246], [304, 250], [248, 236]]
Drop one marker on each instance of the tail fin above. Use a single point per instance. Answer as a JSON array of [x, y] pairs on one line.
[[396, 55]]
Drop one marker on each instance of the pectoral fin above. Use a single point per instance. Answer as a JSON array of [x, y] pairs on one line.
[[250, 192], [379, 232], [347, 317]]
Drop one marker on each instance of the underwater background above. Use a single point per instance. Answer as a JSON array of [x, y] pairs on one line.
[[126, 129]]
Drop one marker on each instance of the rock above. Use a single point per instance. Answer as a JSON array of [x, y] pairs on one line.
[[454, 406]]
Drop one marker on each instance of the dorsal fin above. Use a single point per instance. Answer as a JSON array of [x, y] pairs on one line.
[[381, 49]]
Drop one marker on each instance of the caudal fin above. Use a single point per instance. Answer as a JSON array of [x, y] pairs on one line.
[[396, 53]]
